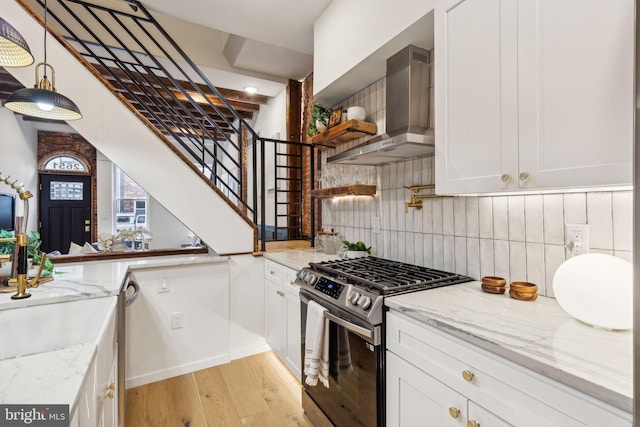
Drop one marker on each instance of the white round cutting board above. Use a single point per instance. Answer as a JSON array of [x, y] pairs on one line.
[[596, 289]]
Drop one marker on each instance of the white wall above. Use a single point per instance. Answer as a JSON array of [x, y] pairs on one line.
[[223, 307], [166, 230], [349, 31], [247, 306], [18, 158], [271, 122], [154, 350]]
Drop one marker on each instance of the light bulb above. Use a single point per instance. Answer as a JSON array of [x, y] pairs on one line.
[[44, 106]]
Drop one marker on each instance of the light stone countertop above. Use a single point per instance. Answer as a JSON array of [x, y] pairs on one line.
[[93, 279], [538, 335], [298, 259], [56, 377]]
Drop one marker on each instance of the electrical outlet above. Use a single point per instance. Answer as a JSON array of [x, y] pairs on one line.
[[165, 285], [577, 238], [177, 320]]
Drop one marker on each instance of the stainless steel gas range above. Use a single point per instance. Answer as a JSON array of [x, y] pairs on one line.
[[352, 292]]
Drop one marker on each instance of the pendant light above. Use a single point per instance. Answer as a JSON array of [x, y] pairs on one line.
[[14, 50], [42, 100]]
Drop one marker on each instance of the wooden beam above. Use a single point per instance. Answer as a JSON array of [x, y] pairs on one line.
[[228, 94]]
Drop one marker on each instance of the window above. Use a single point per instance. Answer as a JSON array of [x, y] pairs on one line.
[[66, 164], [66, 190], [131, 203]]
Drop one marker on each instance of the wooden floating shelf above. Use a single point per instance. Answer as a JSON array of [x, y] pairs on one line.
[[344, 132], [345, 190]]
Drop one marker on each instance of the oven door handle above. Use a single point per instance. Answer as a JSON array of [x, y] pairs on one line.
[[368, 333]]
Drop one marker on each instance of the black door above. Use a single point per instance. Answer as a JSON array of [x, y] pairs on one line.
[[65, 211]]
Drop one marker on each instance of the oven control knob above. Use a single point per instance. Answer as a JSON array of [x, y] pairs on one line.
[[305, 276], [354, 297], [364, 302], [311, 279]]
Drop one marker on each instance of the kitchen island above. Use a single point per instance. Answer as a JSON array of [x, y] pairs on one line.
[[538, 336], [79, 304]]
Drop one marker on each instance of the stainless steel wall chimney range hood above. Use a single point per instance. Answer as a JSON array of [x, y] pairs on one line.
[[408, 133]]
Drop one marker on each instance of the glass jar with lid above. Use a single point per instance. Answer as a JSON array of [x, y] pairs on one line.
[[332, 243]]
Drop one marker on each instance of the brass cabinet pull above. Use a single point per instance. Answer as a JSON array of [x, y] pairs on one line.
[[473, 423], [524, 176], [506, 177], [280, 293], [454, 412], [468, 375], [110, 391]]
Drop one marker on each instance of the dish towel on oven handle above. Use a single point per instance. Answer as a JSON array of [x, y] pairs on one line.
[[344, 366], [316, 345]]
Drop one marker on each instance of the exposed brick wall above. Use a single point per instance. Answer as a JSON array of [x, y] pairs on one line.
[[51, 144], [307, 102]]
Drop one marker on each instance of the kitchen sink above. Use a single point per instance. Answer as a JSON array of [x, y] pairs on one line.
[[48, 327]]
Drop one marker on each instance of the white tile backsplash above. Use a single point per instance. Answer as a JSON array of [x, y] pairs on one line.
[[535, 258], [487, 264], [600, 220], [449, 253], [459, 217], [518, 237], [517, 261], [460, 250], [575, 208], [500, 218], [534, 221], [447, 217], [516, 218], [473, 257], [553, 218], [472, 217], [622, 220]]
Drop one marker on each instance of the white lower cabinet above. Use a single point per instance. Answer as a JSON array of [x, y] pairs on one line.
[[436, 379], [97, 403], [282, 315]]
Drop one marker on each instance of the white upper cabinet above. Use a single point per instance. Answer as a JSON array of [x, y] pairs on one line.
[[533, 94]]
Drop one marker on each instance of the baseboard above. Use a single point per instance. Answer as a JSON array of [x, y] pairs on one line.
[[176, 371], [246, 351]]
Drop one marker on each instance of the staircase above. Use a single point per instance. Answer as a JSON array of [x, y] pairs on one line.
[[140, 94]]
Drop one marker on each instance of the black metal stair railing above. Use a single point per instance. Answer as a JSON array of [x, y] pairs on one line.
[[130, 49]]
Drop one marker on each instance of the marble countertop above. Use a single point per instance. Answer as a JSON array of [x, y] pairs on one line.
[[59, 376], [56, 377], [96, 279], [538, 335], [298, 259]]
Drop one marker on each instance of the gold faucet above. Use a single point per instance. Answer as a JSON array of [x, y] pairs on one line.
[[20, 239], [21, 280], [416, 199]]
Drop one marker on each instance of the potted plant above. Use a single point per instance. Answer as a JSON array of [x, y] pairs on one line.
[[319, 119], [33, 250], [356, 250]]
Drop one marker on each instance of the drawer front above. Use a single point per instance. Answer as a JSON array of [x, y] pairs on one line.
[[274, 271], [523, 396], [290, 282]]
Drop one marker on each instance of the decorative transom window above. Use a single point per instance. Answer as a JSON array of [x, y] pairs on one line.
[[65, 164]]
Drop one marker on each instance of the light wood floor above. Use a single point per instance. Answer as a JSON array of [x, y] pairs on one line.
[[254, 391]]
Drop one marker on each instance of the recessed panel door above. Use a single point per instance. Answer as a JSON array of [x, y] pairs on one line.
[[65, 211]]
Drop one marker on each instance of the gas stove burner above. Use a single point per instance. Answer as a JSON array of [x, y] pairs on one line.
[[385, 276]]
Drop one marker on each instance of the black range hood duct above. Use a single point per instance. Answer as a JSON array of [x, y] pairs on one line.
[[409, 134]]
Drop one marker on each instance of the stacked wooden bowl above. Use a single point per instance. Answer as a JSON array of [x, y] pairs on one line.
[[494, 285], [524, 291]]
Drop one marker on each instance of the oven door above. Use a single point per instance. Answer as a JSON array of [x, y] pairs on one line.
[[355, 396]]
